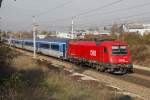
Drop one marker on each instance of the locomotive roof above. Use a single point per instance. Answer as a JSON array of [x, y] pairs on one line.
[[94, 43], [116, 42]]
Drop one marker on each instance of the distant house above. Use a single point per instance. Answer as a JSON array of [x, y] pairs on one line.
[[138, 28], [105, 33], [68, 35], [40, 36]]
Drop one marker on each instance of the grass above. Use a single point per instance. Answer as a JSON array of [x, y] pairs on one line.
[[56, 85], [34, 81]]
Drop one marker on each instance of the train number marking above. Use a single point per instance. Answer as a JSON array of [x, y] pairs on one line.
[[93, 52]]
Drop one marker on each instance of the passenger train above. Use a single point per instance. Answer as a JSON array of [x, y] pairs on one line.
[[109, 56]]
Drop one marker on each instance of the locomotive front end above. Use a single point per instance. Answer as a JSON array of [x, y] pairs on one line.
[[120, 59]]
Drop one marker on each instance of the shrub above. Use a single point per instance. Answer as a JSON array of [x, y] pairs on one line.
[[6, 56], [139, 46], [146, 38]]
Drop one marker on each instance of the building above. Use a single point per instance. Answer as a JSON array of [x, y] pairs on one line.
[[40, 36], [105, 32], [136, 28], [68, 35]]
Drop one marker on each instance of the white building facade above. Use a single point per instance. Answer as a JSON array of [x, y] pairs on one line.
[[137, 28], [66, 35]]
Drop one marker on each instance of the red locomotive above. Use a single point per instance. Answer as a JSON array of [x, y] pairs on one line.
[[110, 56]]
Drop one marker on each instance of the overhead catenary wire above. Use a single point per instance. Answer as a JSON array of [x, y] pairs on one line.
[[123, 9], [98, 8], [124, 17], [55, 8], [111, 23], [102, 7], [107, 24], [90, 11], [109, 12]]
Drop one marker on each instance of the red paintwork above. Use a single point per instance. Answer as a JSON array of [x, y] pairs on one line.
[[90, 51]]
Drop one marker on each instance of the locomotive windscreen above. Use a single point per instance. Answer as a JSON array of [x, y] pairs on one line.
[[119, 50]]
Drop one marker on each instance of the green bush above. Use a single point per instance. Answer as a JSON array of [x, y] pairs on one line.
[[139, 46], [146, 38], [6, 56]]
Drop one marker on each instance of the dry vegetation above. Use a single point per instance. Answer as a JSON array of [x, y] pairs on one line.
[[28, 80], [140, 47]]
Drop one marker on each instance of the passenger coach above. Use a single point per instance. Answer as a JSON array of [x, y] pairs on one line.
[[52, 47]]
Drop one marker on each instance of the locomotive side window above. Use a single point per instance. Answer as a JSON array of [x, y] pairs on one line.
[[119, 50]]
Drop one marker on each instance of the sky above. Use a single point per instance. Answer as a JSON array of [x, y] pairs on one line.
[[56, 15]]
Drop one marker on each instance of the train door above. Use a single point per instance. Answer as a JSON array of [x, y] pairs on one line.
[[104, 55], [101, 54], [64, 51]]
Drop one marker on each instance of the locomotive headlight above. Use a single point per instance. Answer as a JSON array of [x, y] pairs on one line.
[[121, 60], [111, 60]]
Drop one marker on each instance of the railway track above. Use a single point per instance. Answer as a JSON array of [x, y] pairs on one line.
[[140, 77], [139, 80], [136, 79], [142, 72]]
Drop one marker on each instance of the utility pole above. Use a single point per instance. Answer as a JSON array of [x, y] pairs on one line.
[[20, 35], [0, 30], [34, 36], [10, 38], [72, 29]]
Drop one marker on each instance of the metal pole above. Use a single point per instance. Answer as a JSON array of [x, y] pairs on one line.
[[72, 35], [20, 36], [0, 30], [10, 42], [34, 37]]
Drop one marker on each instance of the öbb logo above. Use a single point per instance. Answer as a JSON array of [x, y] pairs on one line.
[[93, 52]]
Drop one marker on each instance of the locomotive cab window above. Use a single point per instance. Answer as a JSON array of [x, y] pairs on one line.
[[119, 50]]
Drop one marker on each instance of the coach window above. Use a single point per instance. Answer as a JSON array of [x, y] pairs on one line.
[[105, 50], [17, 42], [29, 43], [45, 46], [55, 47]]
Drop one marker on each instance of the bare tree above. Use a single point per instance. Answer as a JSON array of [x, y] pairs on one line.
[[115, 28], [1, 2]]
